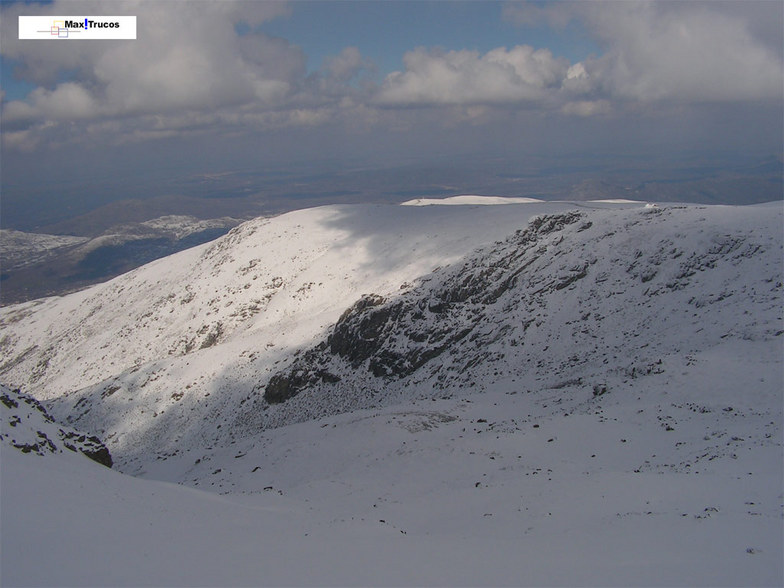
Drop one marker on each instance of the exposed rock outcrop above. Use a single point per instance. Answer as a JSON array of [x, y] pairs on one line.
[[394, 338], [548, 301], [27, 426]]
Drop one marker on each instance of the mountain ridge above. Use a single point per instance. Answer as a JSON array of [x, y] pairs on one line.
[[150, 405], [533, 394]]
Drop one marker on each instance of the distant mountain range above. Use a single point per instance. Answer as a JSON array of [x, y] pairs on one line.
[[37, 265]]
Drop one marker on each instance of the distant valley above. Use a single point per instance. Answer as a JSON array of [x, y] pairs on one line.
[[38, 265], [124, 231]]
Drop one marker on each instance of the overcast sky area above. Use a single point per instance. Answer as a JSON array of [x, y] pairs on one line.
[[210, 87]]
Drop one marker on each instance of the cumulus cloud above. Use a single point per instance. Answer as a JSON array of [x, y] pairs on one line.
[[67, 101], [202, 67], [188, 66], [500, 76], [673, 51], [23, 141], [187, 55], [694, 54], [346, 65]]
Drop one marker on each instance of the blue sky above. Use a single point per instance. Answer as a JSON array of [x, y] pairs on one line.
[[215, 85], [14, 89], [384, 31]]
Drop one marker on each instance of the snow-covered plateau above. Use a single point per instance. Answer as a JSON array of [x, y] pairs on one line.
[[530, 393], [18, 248]]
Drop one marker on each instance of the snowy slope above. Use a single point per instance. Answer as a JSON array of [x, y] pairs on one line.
[[500, 488], [20, 249], [180, 226], [580, 395], [36, 266], [299, 265], [190, 335], [575, 300]]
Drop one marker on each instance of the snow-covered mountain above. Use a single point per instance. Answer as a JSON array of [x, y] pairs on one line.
[[477, 381], [19, 249], [575, 299], [190, 337]]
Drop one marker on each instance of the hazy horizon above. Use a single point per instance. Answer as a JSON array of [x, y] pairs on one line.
[[323, 96]]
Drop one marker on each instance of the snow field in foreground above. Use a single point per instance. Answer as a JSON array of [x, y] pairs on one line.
[[501, 488]]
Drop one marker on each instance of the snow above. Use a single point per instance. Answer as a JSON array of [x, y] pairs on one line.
[[183, 225], [192, 335], [270, 284], [517, 471], [18, 249], [28, 427], [492, 489], [469, 200]]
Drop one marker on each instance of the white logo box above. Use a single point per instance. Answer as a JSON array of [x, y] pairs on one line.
[[77, 27]]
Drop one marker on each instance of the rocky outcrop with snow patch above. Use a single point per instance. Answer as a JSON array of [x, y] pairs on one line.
[[27, 426], [573, 300]]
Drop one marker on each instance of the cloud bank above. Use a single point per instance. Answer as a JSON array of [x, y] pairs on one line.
[[676, 51], [500, 76], [216, 72]]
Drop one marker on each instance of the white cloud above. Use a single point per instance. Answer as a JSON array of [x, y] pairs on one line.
[[191, 72], [434, 77], [346, 65], [674, 51], [188, 58], [691, 53], [23, 141], [68, 101]]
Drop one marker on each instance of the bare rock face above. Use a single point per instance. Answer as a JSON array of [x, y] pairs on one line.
[[391, 339], [27, 426]]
